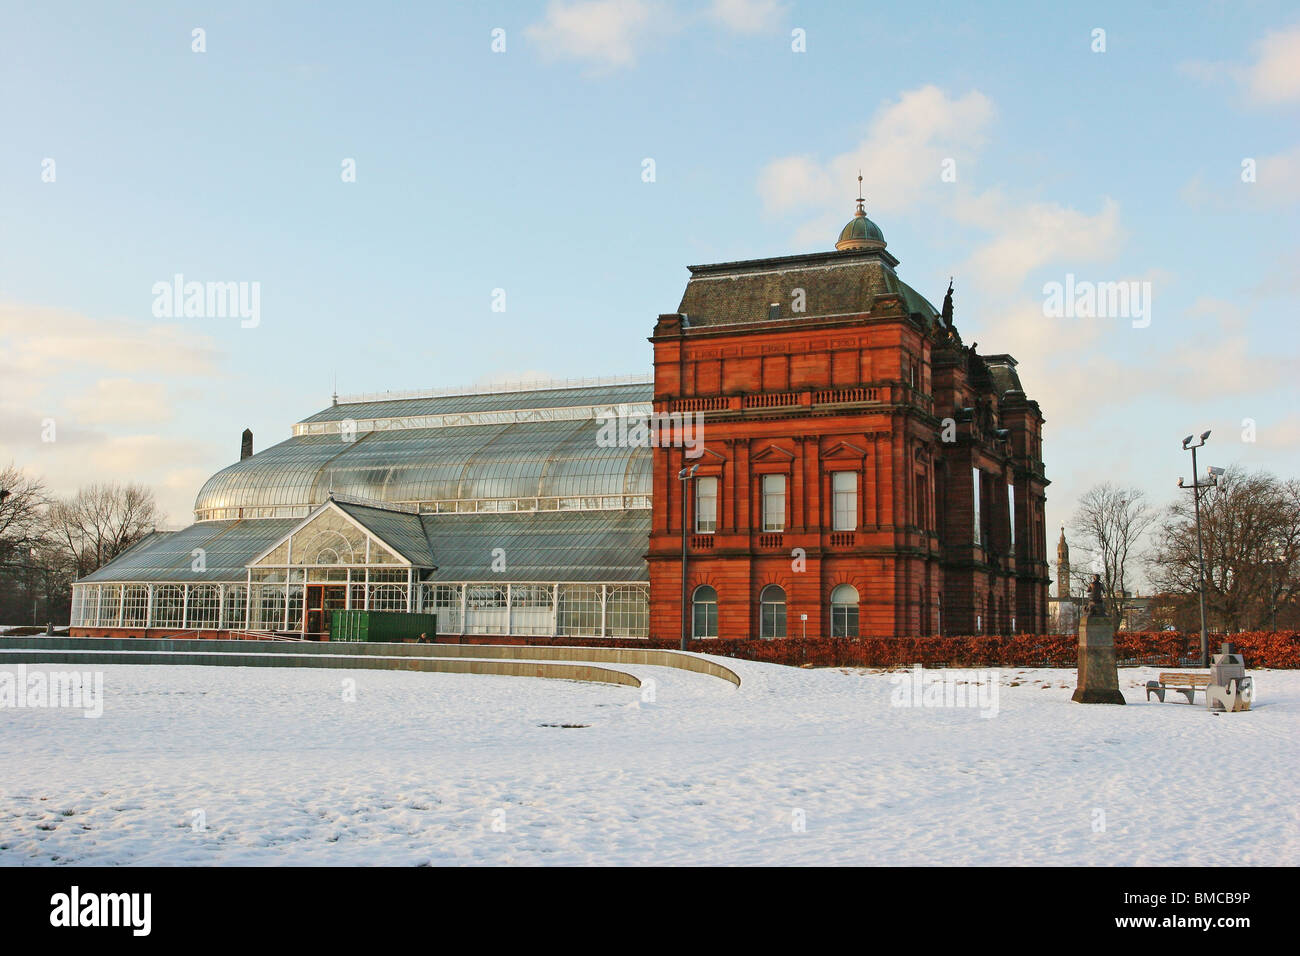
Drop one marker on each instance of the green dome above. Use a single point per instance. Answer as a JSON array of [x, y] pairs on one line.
[[861, 233]]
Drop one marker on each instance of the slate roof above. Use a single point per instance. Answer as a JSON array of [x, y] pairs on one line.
[[835, 283], [1002, 368]]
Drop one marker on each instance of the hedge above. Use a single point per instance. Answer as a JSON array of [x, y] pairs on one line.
[[1153, 648]]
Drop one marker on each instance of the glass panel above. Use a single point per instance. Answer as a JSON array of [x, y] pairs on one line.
[[109, 599], [268, 607], [579, 611], [446, 604], [232, 614], [531, 609], [136, 605], [204, 607], [486, 611], [628, 614], [388, 597], [168, 606]]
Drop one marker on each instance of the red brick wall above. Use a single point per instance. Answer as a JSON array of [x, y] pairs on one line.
[[912, 557]]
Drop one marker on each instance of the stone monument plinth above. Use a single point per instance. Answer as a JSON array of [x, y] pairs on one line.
[[1098, 674]]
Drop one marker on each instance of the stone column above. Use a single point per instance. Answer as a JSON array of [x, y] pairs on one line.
[[1098, 675]]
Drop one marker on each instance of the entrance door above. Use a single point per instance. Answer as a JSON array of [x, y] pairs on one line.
[[321, 600]]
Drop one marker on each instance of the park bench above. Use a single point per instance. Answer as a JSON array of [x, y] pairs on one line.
[[1185, 684]]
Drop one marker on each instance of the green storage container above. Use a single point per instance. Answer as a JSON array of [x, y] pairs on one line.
[[381, 626]]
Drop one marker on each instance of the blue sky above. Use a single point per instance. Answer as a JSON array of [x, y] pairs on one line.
[[522, 170]]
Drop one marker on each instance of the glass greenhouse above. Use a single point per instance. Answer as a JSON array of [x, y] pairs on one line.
[[499, 511]]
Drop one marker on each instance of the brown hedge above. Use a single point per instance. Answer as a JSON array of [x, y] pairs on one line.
[[1154, 648]]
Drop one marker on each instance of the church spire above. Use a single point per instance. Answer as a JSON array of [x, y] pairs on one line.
[[1062, 566]]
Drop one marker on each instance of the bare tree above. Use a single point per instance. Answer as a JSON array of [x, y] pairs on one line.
[[20, 512], [99, 522], [1250, 525], [1108, 524]]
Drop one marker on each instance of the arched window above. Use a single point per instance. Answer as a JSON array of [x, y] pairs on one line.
[[705, 615], [771, 612], [844, 611]]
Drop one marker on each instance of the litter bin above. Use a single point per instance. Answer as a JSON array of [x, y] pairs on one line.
[[1230, 689]]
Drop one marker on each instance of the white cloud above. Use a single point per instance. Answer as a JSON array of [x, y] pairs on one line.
[[1274, 77], [120, 401], [748, 16], [1028, 237], [901, 156], [111, 388], [605, 33], [41, 341], [1277, 178], [1277, 182]]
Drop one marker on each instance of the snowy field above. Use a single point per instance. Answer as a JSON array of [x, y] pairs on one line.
[[794, 767]]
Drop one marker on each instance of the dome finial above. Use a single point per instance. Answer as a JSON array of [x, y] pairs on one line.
[[861, 232]]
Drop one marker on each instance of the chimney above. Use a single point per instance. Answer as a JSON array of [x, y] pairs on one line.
[[246, 445]]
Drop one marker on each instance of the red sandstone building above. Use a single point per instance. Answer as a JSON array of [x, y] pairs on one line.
[[863, 471]]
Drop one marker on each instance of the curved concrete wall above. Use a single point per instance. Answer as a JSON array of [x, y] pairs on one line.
[[508, 668], [596, 655]]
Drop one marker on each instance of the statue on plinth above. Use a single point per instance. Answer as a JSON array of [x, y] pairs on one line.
[[1098, 674], [1096, 600]]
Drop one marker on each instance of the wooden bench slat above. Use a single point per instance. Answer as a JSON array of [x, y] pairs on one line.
[[1185, 684]]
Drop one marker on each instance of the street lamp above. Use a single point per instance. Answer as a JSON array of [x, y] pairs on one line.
[[1211, 481], [685, 475]]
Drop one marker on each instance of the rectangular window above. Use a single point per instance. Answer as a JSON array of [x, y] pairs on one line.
[[1011, 512], [706, 505], [975, 490], [844, 491], [774, 502]]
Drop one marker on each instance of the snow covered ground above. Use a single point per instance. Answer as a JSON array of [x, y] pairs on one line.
[[796, 766]]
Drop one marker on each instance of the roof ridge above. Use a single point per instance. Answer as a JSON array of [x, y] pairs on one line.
[[500, 388]]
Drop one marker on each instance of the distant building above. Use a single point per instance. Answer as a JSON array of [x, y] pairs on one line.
[[1063, 609]]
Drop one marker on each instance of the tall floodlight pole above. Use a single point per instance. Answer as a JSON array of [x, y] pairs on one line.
[[685, 476], [1196, 487]]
